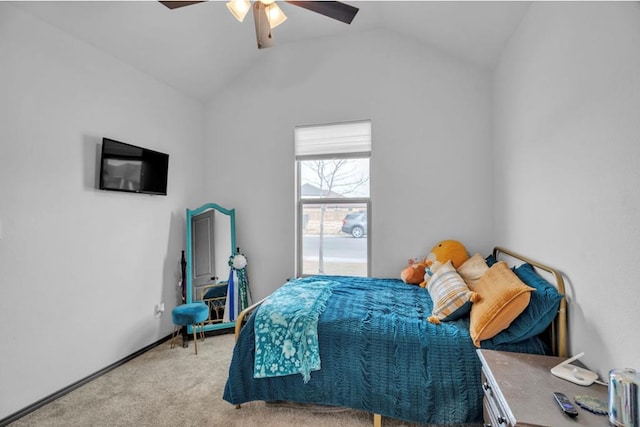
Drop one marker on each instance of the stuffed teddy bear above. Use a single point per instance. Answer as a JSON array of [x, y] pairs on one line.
[[414, 272]]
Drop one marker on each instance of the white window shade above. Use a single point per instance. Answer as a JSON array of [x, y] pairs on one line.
[[333, 139]]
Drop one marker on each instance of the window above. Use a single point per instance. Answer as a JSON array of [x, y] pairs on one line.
[[333, 201]]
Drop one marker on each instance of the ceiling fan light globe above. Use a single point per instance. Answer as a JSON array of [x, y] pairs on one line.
[[275, 15], [239, 8]]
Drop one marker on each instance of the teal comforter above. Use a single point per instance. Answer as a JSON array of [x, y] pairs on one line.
[[379, 354]]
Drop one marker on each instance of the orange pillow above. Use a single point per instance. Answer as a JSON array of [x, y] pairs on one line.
[[503, 296]]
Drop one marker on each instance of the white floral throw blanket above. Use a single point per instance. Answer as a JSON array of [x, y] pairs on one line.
[[286, 329]]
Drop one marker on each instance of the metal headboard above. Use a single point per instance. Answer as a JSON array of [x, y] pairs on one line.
[[559, 343]]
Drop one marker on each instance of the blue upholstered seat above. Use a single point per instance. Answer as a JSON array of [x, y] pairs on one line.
[[189, 314]]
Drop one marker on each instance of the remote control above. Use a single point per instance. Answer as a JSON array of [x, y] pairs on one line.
[[565, 404]]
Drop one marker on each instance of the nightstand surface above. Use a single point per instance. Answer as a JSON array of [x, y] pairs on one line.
[[523, 385]]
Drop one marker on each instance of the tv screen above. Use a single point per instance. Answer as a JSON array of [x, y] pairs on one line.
[[125, 167]]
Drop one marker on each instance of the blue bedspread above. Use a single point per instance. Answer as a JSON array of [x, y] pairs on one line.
[[379, 354]]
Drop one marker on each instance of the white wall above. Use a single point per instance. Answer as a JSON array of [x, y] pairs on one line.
[[77, 264], [567, 127], [81, 270], [431, 163]]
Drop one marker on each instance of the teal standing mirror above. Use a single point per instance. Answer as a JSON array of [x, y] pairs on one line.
[[210, 242]]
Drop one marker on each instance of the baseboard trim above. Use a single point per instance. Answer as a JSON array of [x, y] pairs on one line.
[[58, 394]]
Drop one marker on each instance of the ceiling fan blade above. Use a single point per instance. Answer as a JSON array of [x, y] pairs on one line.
[[333, 9], [177, 4], [263, 29]]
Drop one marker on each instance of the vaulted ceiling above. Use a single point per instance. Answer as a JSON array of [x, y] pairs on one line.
[[197, 49]]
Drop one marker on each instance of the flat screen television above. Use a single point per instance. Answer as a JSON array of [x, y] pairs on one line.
[[125, 167]]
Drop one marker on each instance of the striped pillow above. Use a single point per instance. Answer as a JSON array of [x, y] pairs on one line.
[[451, 296]]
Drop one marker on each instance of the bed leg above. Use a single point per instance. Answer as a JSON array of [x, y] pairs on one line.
[[377, 420]]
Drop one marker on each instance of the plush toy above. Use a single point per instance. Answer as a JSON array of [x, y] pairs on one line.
[[449, 250], [413, 273]]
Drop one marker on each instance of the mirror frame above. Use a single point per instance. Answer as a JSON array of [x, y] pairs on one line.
[[231, 213]]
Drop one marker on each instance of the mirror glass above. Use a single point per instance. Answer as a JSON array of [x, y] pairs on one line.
[[210, 241]]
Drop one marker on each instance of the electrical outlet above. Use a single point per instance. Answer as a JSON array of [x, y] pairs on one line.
[[159, 309]]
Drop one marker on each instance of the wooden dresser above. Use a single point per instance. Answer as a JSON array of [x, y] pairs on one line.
[[518, 391]]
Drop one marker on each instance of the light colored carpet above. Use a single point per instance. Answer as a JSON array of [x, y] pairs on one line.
[[174, 387]]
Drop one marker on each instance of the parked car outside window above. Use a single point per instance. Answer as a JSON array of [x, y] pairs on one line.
[[355, 224]]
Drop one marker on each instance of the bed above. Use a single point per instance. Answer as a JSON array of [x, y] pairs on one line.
[[378, 353]]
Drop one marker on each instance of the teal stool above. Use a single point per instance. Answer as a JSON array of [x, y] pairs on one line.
[[189, 314]]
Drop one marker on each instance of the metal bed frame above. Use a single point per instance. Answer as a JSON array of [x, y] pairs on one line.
[[558, 328]]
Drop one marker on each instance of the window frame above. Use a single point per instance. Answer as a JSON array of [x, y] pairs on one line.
[[302, 202]]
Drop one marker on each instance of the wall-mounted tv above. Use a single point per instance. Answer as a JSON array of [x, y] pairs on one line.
[[125, 167]]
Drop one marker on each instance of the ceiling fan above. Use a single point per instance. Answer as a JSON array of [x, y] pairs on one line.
[[267, 15]]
